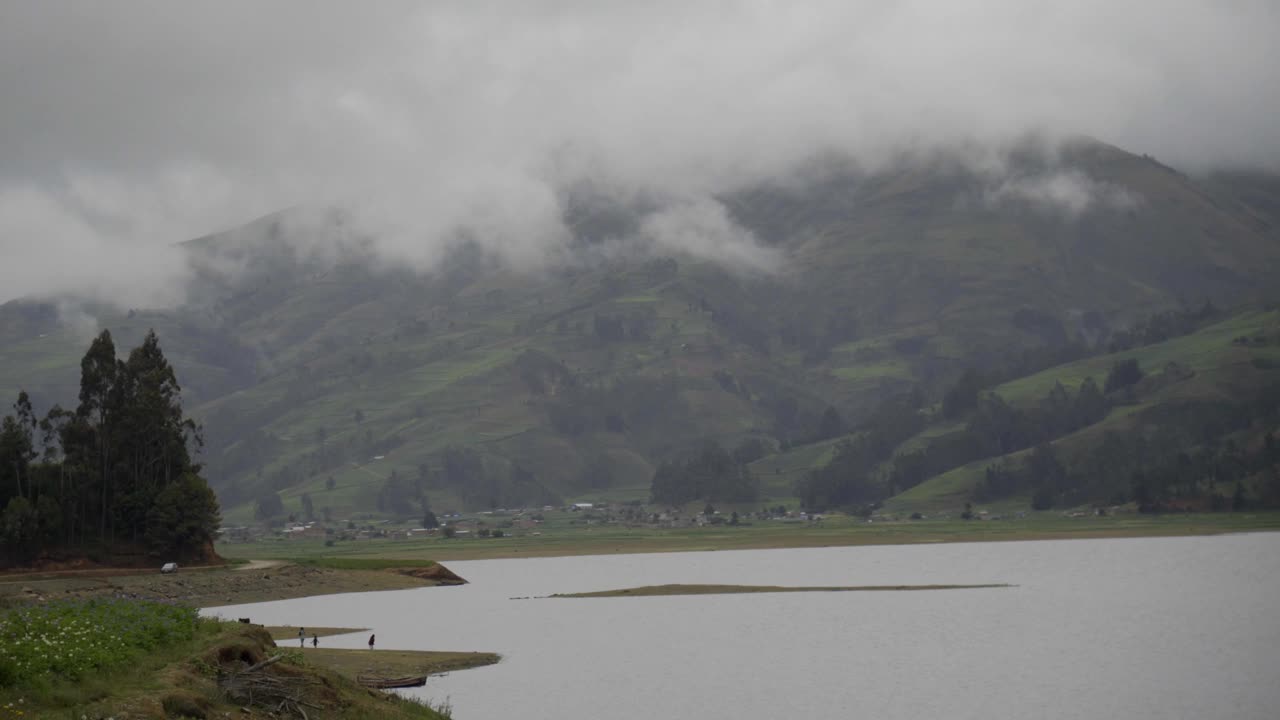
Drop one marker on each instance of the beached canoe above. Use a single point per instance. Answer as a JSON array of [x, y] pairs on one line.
[[384, 683]]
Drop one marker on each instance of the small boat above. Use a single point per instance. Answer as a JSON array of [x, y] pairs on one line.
[[384, 683]]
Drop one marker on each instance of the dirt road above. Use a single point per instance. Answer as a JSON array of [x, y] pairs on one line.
[[259, 565]]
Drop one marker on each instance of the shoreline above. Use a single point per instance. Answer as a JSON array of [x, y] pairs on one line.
[[837, 532], [211, 589], [301, 570]]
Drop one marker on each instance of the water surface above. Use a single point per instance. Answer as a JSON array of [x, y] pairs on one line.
[[1117, 628]]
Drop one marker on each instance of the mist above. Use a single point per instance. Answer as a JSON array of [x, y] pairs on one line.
[[129, 127]]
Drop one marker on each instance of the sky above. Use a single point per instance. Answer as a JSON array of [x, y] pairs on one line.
[[126, 127]]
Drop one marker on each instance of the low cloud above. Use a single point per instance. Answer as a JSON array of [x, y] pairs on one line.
[[702, 228], [1068, 192], [132, 126]]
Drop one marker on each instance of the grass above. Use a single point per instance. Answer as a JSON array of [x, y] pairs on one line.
[[107, 689], [863, 372], [75, 638], [652, 590], [1206, 349], [178, 678]]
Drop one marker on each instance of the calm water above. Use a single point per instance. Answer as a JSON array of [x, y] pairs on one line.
[[1145, 628]]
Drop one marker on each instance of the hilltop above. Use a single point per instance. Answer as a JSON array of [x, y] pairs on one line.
[[351, 386]]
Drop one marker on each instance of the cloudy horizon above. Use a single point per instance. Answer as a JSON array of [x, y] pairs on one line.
[[131, 126]]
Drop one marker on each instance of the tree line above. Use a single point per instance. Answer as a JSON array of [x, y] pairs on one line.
[[116, 475]]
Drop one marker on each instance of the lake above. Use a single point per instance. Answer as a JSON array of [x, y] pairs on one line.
[[1124, 628]]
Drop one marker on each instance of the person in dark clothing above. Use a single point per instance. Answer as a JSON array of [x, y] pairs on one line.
[[315, 641], [371, 642]]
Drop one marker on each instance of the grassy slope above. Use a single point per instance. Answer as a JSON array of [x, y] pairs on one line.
[[779, 472], [184, 675], [1207, 350], [1223, 369], [474, 397]]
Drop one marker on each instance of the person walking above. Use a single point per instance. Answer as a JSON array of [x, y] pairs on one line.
[[302, 637], [315, 641], [371, 642]]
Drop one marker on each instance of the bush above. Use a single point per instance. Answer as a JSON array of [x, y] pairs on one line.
[[1123, 374]]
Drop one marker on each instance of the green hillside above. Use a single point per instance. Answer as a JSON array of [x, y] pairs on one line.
[[475, 386], [1233, 360]]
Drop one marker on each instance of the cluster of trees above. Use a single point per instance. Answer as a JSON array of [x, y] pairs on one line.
[[114, 475], [996, 428], [712, 475], [401, 496], [636, 325], [962, 397], [483, 485], [1163, 326], [857, 475], [1203, 455], [850, 478], [542, 374]]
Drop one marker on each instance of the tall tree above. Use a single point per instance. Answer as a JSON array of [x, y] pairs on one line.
[[98, 371]]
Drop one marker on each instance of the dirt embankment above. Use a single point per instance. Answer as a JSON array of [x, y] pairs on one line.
[[212, 588], [241, 673], [436, 574]]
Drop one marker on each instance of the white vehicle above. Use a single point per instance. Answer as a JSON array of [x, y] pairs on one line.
[[169, 568]]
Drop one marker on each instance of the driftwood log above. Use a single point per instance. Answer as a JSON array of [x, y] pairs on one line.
[[279, 693]]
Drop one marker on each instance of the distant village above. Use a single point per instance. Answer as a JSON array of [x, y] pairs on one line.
[[506, 523]]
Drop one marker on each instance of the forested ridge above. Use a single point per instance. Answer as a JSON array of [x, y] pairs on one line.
[[114, 478]]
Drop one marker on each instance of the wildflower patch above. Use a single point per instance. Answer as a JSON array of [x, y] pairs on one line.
[[74, 637]]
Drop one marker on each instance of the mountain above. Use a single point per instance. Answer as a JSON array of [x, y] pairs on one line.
[[334, 373]]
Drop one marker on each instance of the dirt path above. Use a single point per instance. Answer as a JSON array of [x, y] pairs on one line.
[[260, 564], [273, 580]]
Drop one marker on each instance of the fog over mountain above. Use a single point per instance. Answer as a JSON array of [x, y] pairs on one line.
[[130, 126]]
